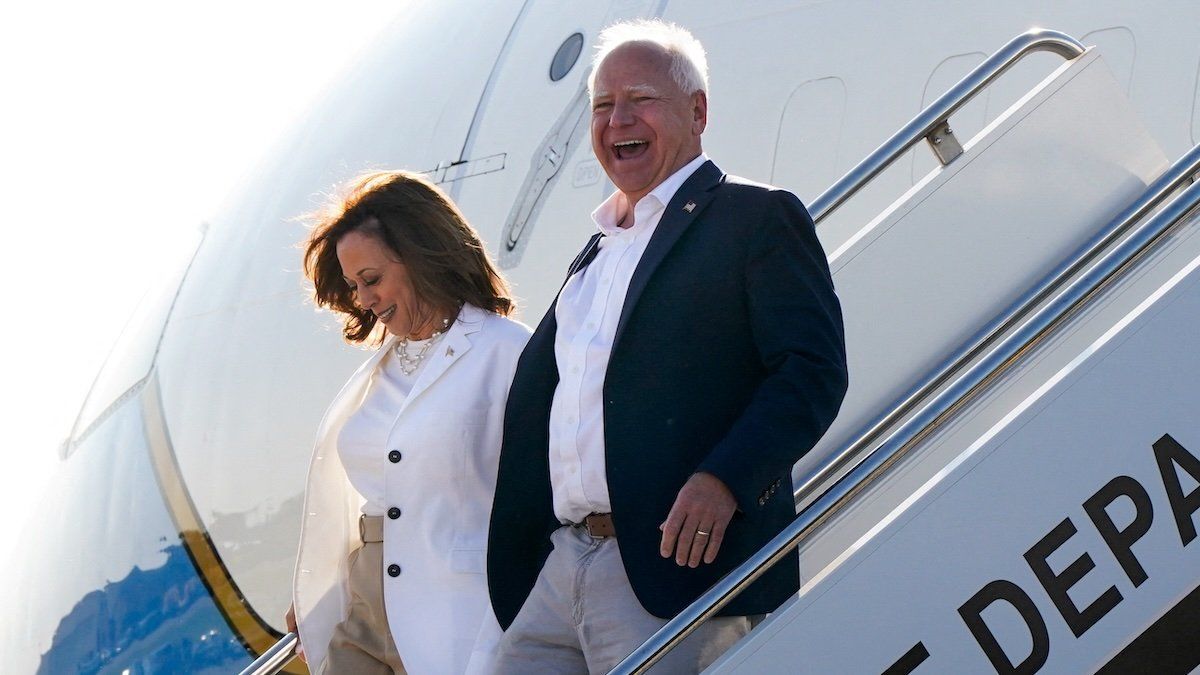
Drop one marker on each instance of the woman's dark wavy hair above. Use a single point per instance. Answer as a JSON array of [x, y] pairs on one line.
[[423, 229]]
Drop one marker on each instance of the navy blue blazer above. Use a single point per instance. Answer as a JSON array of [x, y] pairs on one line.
[[729, 358]]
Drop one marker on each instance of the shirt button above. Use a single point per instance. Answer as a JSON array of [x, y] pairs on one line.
[[393, 570], [393, 513], [570, 420], [394, 456], [574, 370]]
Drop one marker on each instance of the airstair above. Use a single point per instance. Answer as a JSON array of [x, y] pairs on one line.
[[1013, 483], [1026, 316]]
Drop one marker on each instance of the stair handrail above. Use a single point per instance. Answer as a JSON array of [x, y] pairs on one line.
[[274, 659], [927, 122], [1184, 169], [1029, 334]]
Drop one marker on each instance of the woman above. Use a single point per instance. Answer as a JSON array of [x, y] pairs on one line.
[[390, 573]]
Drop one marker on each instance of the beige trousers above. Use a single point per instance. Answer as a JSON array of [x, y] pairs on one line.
[[582, 617], [362, 642]]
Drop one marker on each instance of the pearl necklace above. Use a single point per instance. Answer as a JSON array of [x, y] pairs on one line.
[[409, 362]]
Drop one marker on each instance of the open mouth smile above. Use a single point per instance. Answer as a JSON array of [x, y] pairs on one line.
[[629, 149], [386, 314]]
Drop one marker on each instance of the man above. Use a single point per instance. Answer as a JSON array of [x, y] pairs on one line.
[[694, 353]]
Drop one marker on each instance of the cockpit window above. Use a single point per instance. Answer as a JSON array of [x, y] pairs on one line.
[[129, 363]]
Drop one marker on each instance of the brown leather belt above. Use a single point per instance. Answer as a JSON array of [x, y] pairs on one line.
[[599, 525], [370, 529]]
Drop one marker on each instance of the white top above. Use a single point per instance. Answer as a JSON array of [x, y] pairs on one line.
[[446, 437], [362, 442], [587, 313]]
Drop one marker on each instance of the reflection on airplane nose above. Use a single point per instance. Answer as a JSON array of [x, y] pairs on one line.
[[107, 616]]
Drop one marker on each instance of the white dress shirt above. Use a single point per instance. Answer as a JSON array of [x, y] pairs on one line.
[[587, 313]]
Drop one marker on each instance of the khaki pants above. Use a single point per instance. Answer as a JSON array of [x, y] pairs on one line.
[[362, 643], [582, 617]]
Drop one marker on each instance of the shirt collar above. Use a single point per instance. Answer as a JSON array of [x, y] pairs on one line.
[[608, 214]]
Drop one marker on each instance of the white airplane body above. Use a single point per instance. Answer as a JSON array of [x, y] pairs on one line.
[[182, 479]]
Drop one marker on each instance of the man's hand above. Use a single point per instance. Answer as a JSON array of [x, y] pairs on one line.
[[289, 619], [696, 524]]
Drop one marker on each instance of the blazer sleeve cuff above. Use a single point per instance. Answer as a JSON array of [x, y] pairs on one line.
[[750, 493]]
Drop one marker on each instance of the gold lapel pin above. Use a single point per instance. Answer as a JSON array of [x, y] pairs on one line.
[[689, 207]]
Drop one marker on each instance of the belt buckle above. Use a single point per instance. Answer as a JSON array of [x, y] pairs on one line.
[[362, 528], [599, 525]]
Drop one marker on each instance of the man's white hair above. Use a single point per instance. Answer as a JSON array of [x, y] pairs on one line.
[[689, 66]]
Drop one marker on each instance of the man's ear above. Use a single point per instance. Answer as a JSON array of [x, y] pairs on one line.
[[699, 112]]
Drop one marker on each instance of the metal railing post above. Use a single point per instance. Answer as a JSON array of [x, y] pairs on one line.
[[274, 659], [937, 113]]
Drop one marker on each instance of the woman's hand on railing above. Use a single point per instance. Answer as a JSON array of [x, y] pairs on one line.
[[290, 620]]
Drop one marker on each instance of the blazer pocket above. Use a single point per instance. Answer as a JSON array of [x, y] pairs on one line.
[[467, 560]]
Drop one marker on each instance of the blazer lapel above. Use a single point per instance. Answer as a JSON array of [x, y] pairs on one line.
[[689, 202], [449, 349], [585, 256]]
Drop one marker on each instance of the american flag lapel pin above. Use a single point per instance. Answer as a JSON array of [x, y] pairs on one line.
[[689, 207]]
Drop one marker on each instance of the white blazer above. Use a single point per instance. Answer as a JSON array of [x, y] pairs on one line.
[[448, 433]]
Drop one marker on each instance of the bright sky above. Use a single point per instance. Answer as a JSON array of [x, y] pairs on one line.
[[123, 125]]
